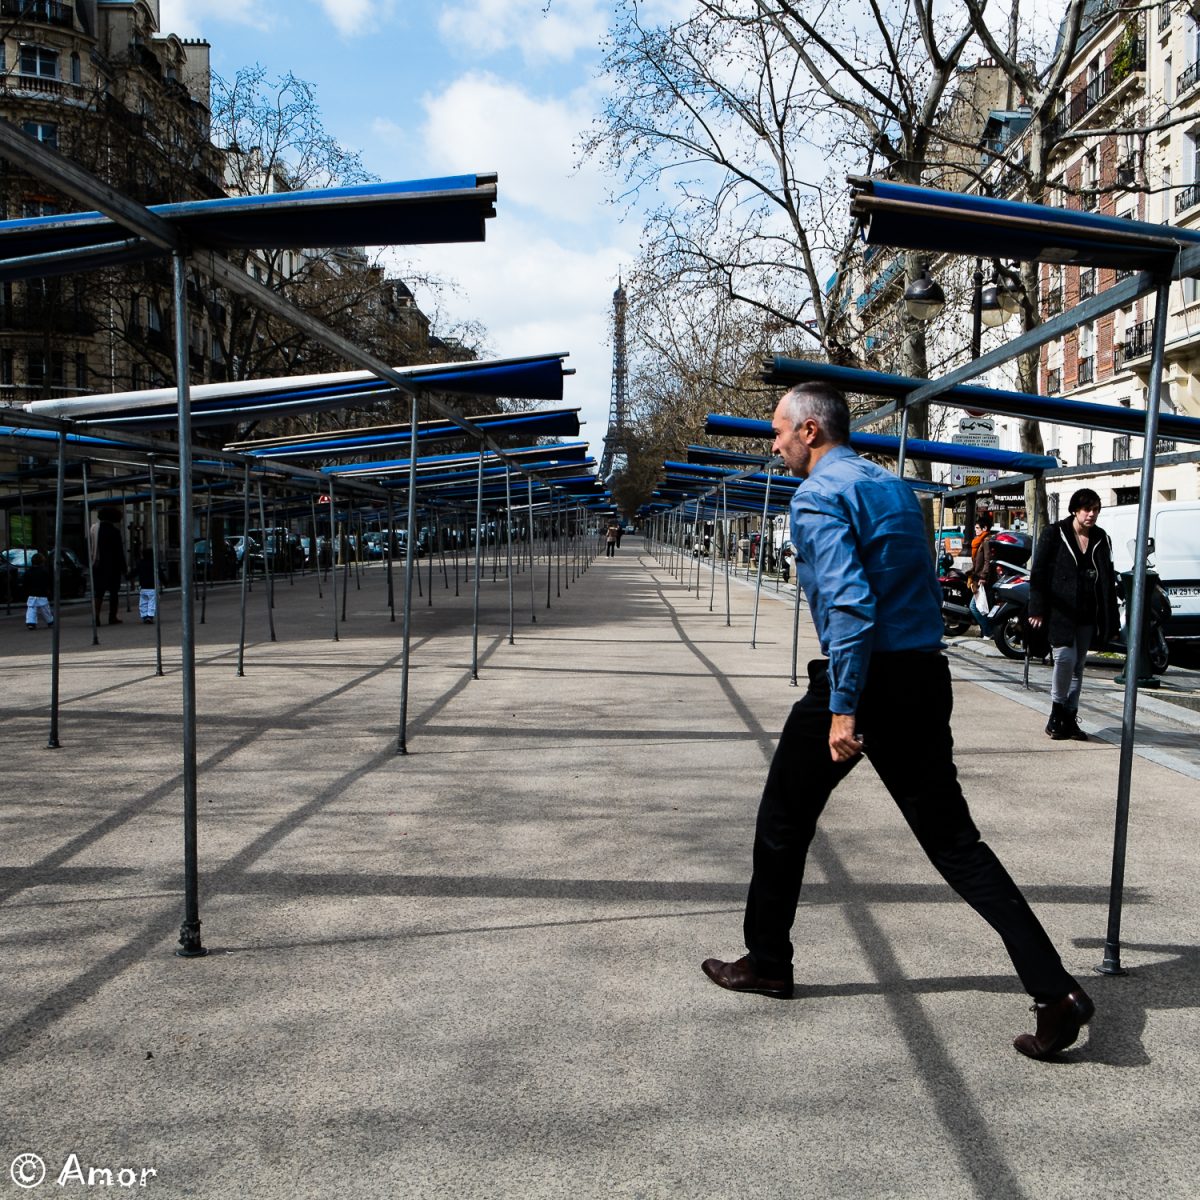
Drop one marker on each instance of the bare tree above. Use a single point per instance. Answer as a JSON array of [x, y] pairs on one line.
[[743, 118]]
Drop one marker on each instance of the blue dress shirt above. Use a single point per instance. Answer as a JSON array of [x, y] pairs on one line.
[[863, 563]]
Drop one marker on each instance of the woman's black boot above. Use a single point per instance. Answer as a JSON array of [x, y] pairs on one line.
[[1071, 726], [1056, 727]]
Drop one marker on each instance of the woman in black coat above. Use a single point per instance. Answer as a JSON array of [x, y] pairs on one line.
[[1073, 593]]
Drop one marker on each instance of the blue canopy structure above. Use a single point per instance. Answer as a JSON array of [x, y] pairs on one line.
[[417, 212], [526, 378], [919, 218], [789, 371], [553, 423], [875, 443]]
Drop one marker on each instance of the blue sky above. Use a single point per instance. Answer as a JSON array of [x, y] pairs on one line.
[[422, 88]]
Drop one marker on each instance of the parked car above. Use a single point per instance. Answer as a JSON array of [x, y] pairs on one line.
[[15, 562]]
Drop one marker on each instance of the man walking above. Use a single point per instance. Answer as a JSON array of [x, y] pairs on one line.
[[883, 693]]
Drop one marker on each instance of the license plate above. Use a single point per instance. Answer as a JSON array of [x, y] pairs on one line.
[[1182, 591]]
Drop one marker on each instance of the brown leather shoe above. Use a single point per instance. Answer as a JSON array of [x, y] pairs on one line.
[[740, 976], [1058, 1025]]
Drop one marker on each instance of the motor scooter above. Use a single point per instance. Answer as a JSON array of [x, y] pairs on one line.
[[1012, 633], [956, 599]]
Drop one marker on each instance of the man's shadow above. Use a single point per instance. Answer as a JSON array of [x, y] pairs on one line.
[[1115, 1035]]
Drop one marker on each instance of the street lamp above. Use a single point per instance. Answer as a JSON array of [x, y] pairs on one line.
[[924, 297]]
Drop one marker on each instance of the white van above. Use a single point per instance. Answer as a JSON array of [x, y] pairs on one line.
[[1175, 528]]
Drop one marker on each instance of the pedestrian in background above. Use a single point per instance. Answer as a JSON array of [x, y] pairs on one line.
[[108, 562], [884, 691], [1073, 593], [610, 540], [37, 580], [983, 573], [147, 587]]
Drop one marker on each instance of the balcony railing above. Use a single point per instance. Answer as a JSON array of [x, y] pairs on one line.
[[1054, 381], [1138, 339], [1084, 458], [1127, 172], [1087, 370], [1052, 300], [1087, 283], [1096, 89], [1164, 446], [1188, 198], [47, 12], [1164, 15], [1187, 78], [1121, 448]]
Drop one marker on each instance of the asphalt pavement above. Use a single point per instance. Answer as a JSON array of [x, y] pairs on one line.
[[473, 970]]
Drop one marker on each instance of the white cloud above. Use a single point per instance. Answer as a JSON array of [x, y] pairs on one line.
[[556, 30], [353, 17], [483, 123], [537, 295], [192, 18]]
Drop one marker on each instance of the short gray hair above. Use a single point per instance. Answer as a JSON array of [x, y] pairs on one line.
[[824, 404]]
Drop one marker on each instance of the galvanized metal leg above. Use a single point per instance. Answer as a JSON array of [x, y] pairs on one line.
[[725, 512], [158, 668], [762, 548], [189, 932], [52, 742], [410, 557], [91, 572], [390, 545], [335, 556], [312, 500], [1111, 964], [207, 557], [532, 597], [270, 587], [478, 566], [509, 568], [245, 569]]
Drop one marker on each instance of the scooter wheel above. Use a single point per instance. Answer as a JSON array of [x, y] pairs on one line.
[[1010, 637]]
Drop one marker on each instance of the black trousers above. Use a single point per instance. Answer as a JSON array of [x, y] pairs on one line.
[[904, 720]]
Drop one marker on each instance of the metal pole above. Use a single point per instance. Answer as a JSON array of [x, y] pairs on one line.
[[154, 563], [532, 597], [334, 549], [1111, 964], [390, 543], [270, 588], [725, 517], [475, 601], [312, 500], [410, 556], [189, 931], [245, 565], [795, 631], [549, 549], [207, 558], [762, 546], [903, 452], [91, 571], [509, 567], [52, 742]]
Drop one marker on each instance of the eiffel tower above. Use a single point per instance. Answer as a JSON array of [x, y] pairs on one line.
[[616, 447]]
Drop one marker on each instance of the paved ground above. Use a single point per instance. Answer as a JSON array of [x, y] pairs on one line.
[[473, 971]]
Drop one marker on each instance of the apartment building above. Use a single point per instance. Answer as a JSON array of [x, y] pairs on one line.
[[1129, 146]]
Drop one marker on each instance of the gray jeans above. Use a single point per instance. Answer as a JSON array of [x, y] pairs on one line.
[[1067, 679]]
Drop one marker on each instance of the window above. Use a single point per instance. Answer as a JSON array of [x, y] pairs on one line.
[[6, 367], [45, 132], [1120, 450], [1088, 181], [1052, 506], [153, 316], [76, 70], [1165, 215], [38, 372], [81, 371], [1168, 83], [40, 61]]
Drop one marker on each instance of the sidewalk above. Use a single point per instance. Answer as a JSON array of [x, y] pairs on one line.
[[474, 971]]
